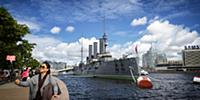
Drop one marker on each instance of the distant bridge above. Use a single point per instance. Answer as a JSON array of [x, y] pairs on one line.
[[65, 69]]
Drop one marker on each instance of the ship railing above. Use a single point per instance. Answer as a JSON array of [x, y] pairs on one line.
[[132, 75]]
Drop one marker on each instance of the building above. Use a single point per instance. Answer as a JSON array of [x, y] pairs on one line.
[[57, 65], [148, 59], [161, 58], [190, 60], [170, 65], [191, 56]]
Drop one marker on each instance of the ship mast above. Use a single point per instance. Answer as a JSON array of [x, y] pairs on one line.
[[104, 23], [104, 34], [82, 49]]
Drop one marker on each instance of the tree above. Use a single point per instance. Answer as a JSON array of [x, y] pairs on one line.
[[12, 42]]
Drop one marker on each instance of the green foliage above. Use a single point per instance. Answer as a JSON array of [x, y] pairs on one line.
[[12, 42]]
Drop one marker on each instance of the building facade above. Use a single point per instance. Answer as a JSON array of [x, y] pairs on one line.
[[148, 59], [191, 56]]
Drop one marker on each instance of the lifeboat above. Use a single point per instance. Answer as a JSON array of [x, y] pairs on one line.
[[144, 82], [196, 79], [143, 72]]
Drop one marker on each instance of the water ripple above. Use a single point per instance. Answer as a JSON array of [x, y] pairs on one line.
[[166, 87]]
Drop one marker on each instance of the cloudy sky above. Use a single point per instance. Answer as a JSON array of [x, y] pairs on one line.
[[59, 27]]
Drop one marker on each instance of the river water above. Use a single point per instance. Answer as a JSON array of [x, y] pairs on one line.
[[165, 87]]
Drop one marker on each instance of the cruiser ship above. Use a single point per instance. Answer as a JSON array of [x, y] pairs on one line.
[[102, 64]]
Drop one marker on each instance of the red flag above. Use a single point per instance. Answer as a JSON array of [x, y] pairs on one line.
[[136, 49]]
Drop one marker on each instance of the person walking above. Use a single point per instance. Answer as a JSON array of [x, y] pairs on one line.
[[38, 82]]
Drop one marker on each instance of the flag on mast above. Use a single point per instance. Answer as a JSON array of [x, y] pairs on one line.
[[136, 49]]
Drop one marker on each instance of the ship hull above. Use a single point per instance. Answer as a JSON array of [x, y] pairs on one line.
[[108, 69]]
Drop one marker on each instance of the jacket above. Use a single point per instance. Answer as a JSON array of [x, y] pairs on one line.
[[33, 85]]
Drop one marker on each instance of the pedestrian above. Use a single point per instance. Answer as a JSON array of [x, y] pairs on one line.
[[6, 74], [38, 82], [25, 73], [1, 75]]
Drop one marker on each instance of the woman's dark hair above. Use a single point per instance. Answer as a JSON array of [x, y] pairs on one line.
[[48, 66]]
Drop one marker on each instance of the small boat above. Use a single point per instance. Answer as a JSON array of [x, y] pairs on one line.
[[196, 79], [144, 82], [143, 72]]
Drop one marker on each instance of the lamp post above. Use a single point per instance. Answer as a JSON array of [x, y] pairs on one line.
[[21, 49], [11, 58]]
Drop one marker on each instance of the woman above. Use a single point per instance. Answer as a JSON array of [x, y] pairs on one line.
[[25, 74], [38, 82]]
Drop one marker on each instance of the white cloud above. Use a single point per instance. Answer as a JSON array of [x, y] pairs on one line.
[[164, 36], [167, 37], [154, 19], [121, 33], [176, 14], [55, 30], [70, 29], [139, 21], [118, 50], [148, 38], [88, 10], [196, 41], [49, 48], [141, 32], [135, 2], [31, 25]]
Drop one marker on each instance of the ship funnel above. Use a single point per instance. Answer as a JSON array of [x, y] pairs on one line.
[[101, 49], [95, 49], [90, 52]]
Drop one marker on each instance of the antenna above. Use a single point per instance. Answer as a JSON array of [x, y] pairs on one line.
[[81, 49], [105, 44], [104, 23]]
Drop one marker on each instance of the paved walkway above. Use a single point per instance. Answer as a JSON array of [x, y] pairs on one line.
[[10, 91]]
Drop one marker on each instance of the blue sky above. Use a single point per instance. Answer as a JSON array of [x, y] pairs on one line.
[[127, 23]]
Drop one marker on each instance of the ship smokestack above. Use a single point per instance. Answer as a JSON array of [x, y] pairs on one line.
[[90, 52], [105, 44], [101, 47], [95, 49]]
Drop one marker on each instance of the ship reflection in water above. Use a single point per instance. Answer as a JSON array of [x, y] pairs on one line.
[[166, 87]]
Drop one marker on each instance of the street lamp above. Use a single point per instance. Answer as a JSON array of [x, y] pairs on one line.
[[21, 48]]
